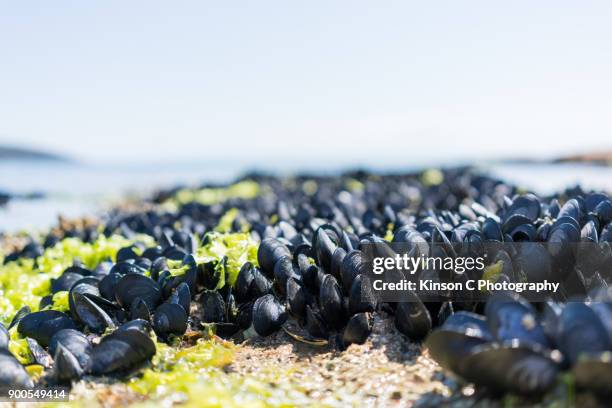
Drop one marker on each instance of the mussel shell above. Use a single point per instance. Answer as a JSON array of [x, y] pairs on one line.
[[581, 331], [121, 351], [133, 286], [244, 317], [296, 298], [526, 205], [361, 296], [75, 342], [170, 318], [331, 303], [12, 373], [271, 250], [213, 307], [352, 266], [511, 317], [65, 281], [283, 270], [67, 367], [251, 283], [315, 325], [41, 326], [515, 367], [140, 310], [357, 329], [141, 325], [40, 355], [90, 314], [412, 318], [24, 311], [324, 248], [456, 338], [108, 284], [268, 315], [182, 296]]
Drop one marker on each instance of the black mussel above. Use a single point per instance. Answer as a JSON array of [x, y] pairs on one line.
[[213, 307], [45, 302], [170, 318], [296, 299], [132, 286], [315, 325], [38, 353], [412, 318], [514, 222], [336, 263], [324, 248], [268, 315], [331, 303], [152, 253], [24, 311], [126, 253], [90, 314], [549, 318], [12, 373], [102, 269], [357, 329], [572, 210], [140, 310], [526, 205], [361, 296], [520, 368], [312, 278], [511, 317], [353, 264], [533, 260], [41, 326], [67, 367], [121, 351], [244, 317], [491, 230], [75, 342], [593, 371], [4, 337], [271, 250], [283, 270], [450, 344], [108, 285], [137, 324], [125, 268], [251, 283], [65, 281], [581, 331], [182, 296]]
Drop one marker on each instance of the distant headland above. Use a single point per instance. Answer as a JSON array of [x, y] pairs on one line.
[[23, 153]]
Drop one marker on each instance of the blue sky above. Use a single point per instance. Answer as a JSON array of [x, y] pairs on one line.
[[331, 80]]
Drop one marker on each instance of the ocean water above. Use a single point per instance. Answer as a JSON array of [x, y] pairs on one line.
[[79, 189]]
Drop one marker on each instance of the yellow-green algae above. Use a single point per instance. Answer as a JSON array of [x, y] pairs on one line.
[[24, 282], [246, 189], [239, 248], [195, 377]]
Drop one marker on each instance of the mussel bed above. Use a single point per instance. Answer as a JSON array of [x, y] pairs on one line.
[[149, 296]]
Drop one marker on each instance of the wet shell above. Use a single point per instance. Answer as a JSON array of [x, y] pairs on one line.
[[134, 286], [268, 315], [41, 326], [170, 318], [12, 373], [75, 342], [121, 351]]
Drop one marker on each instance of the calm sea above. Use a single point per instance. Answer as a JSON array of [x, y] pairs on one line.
[[78, 189]]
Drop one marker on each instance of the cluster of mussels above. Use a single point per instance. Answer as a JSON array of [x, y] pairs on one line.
[[311, 266]]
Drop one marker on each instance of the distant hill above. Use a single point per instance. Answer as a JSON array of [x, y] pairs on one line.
[[19, 153]]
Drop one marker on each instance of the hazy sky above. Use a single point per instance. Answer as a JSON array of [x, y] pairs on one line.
[[153, 80]]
